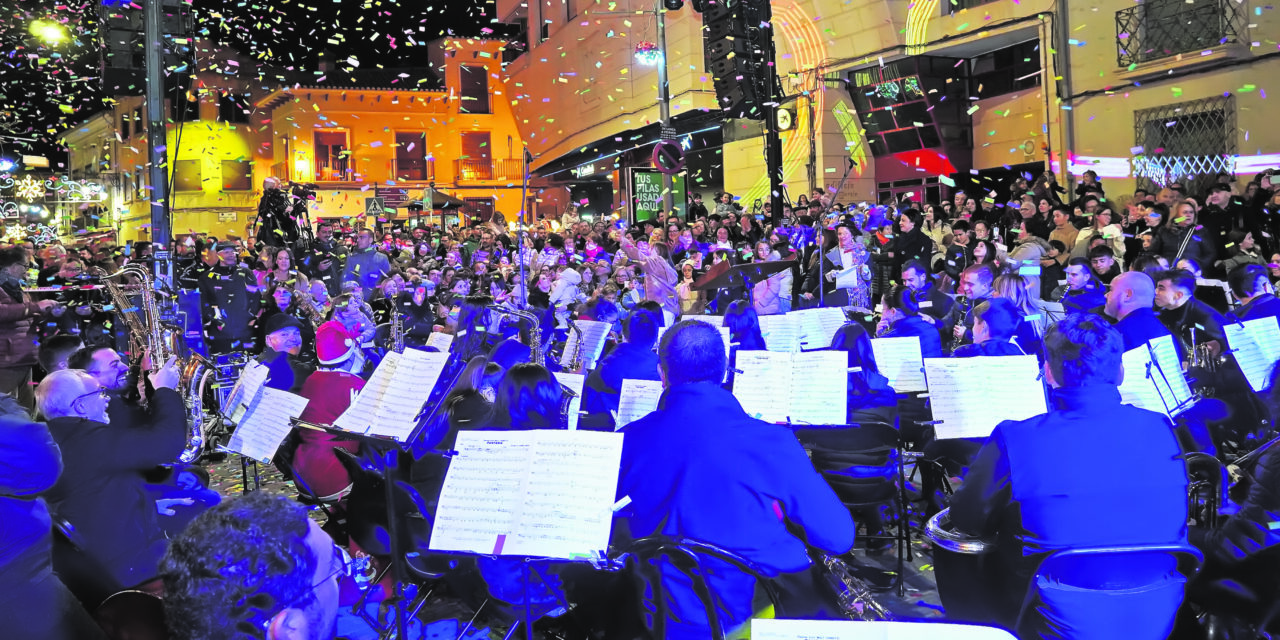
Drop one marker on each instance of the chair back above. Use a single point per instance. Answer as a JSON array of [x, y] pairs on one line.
[[367, 509], [132, 615], [645, 558], [859, 462], [1138, 611], [86, 577]]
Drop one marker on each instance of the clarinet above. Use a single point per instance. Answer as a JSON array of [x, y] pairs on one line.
[[963, 306]]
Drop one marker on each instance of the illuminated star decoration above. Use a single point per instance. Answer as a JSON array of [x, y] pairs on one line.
[[647, 53], [30, 189]]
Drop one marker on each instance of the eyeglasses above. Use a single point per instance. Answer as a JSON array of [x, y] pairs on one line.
[[100, 392], [344, 566]]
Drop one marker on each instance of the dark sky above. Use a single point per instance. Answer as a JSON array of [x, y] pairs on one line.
[[43, 89]]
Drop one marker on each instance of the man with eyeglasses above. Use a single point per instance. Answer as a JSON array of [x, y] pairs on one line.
[[253, 566], [101, 491]]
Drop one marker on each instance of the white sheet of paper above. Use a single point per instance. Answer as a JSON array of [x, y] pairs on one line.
[[266, 424], [1173, 382], [900, 361], [247, 390], [848, 279], [715, 321], [819, 387], [1256, 347], [764, 386], [593, 338], [637, 399], [780, 332], [818, 326], [545, 493], [388, 405], [361, 415], [775, 629], [440, 340], [1139, 387], [970, 396], [574, 381]]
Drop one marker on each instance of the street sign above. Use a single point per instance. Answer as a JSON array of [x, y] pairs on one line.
[[668, 157], [646, 194], [374, 207]]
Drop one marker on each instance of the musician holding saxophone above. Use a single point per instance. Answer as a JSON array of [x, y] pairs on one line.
[[1014, 495]]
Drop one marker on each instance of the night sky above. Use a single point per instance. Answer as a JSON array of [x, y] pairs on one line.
[[44, 89]]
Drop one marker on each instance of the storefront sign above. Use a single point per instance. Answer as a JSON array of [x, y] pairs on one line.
[[646, 194]]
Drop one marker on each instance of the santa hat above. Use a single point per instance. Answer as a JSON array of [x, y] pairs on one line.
[[333, 344]]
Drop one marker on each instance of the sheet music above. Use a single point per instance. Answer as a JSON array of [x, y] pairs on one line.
[[247, 390], [775, 629], [715, 321], [638, 399], [545, 493], [781, 332], [819, 387], [1172, 383], [1139, 387], [266, 424], [764, 386], [593, 336], [848, 279], [574, 381], [1256, 346], [389, 403], [818, 326], [440, 340], [970, 396], [900, 360]]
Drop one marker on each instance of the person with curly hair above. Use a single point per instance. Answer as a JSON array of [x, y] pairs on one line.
[[252, 567]]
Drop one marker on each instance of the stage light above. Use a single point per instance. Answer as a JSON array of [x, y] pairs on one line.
[[49, 32]]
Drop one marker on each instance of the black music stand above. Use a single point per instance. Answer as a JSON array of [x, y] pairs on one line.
[[726, 276]]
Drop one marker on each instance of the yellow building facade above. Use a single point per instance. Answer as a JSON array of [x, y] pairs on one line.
[[355, 137], [1002, 89]]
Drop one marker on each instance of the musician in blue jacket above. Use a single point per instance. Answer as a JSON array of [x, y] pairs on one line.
[[1250, 285], [901, 317], [1129, 303], [632, 359], [1034, 486], [700, 468]]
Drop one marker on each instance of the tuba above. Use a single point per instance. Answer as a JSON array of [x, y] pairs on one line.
[[148, 333]]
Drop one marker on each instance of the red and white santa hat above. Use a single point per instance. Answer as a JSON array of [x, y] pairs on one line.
[[333, 344]]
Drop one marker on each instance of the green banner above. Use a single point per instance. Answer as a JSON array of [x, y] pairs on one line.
[[646, 194]]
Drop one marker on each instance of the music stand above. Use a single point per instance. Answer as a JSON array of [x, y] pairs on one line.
[[726, 276]]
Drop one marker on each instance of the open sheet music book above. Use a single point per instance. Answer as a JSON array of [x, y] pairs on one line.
[[546, 493], [594, 335], [266, 423], [818, 326], [247, 390], [715, 321], [802, 388], [970, 396], [775, 629], [1153, 378], [900, 361], [1256, 346], [440, 340], [639, 398], [388, 405], [574, 381], [780, 332]]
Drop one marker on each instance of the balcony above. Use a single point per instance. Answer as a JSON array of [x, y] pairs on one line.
[[335, 170], [482, 169], [413, 169], [1159, 29]]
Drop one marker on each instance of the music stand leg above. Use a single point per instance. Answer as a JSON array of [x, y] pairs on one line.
[[389, 462], [528, 624]]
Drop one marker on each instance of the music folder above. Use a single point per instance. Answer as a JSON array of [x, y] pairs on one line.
[[265, 424], [970, 396], [1256, 346], [900, 360], [1153, 378], [800, 388], [388, 405], [544, 493]]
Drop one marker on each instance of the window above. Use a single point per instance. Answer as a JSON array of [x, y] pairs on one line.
[[139, 122], [953, 6], [1005, 70], [237, 175], [1158, 29], [331, 155], [411, 157], [475, 163], [1187, 142], [125, 131], [570, 10], [186, 175], [233, 109], [474, 89], [478, 209]]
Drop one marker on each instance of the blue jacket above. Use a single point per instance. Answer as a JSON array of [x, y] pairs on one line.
[[699, 467], [930, 339], [1038, 506], [989, 348], [29, 464], [366, 268], [604, 384], [1263, 306], [1140, 327], [1084, 300]]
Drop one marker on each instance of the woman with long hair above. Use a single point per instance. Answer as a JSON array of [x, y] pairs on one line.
[[527, 398], [936, 227], [1102, 223], [1030, 331], [984, 252], [773, 294], [660, 278], [743, 324], [1241, 250], [900, 317], [870, 397]]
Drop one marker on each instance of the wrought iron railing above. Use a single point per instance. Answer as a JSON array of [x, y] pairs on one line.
[[1158, 29], [1185, 142], [475, 169], [416, 169]]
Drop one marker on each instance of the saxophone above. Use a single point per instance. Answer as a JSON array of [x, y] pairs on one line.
[[397, 329], [149, 334], [852, 593], [536, 356], [577, 347], [963, 306], [307, 304]]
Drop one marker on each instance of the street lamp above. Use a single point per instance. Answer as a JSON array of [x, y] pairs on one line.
[[49, 32]]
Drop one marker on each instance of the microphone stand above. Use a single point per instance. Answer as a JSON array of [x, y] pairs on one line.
[[520, 254]]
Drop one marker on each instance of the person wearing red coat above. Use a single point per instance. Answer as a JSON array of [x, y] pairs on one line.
[[330, 391]]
